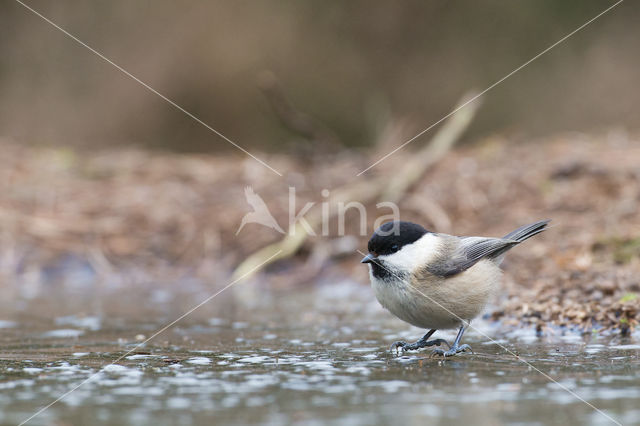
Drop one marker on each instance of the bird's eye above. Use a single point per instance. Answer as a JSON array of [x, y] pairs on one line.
[[394, 247]]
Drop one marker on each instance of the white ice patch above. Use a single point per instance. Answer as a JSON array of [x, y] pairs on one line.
[[64, 333], [625, 347], [199, 360], [115, 368], [7, 324], [139, 356], [91, 322]]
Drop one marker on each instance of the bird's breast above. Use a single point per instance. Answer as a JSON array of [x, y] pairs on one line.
[[435, 302], [402, 300]]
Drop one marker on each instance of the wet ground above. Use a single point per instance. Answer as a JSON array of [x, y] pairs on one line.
[[316, 356]]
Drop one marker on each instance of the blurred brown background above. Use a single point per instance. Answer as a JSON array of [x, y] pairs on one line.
[[93, 191], [351, 65]]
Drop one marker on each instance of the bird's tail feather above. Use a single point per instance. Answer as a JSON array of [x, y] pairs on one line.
[[527, 231]]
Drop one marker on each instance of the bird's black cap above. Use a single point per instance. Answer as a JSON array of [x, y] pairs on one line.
[[392, 236]]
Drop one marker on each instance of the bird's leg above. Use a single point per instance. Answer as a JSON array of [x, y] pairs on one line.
[[422, 343], [457, 347]]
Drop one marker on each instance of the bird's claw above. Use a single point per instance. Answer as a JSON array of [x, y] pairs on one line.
[[398, 344], [417, 345], [452, 350]]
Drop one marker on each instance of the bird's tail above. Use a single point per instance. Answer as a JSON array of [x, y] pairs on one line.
[[527, 231]]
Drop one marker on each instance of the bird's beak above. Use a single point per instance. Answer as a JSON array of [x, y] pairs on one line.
[[368, 258]]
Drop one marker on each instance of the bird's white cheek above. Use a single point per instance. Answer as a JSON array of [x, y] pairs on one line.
[[414, 255]]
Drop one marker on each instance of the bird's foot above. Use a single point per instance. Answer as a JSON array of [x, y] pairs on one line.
[[417, 345], [455, 349]]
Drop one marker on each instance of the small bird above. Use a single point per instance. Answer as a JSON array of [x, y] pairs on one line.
[[260, 213], [437, 281]]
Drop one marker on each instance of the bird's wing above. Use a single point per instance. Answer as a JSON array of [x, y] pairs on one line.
[[461, 253], [254, 200]]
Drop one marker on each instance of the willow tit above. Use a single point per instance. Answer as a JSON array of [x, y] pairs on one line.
[[437, 281]]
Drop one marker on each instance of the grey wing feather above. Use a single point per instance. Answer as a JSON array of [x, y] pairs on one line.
[[461, 253], [476, 247], [466, 252]]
